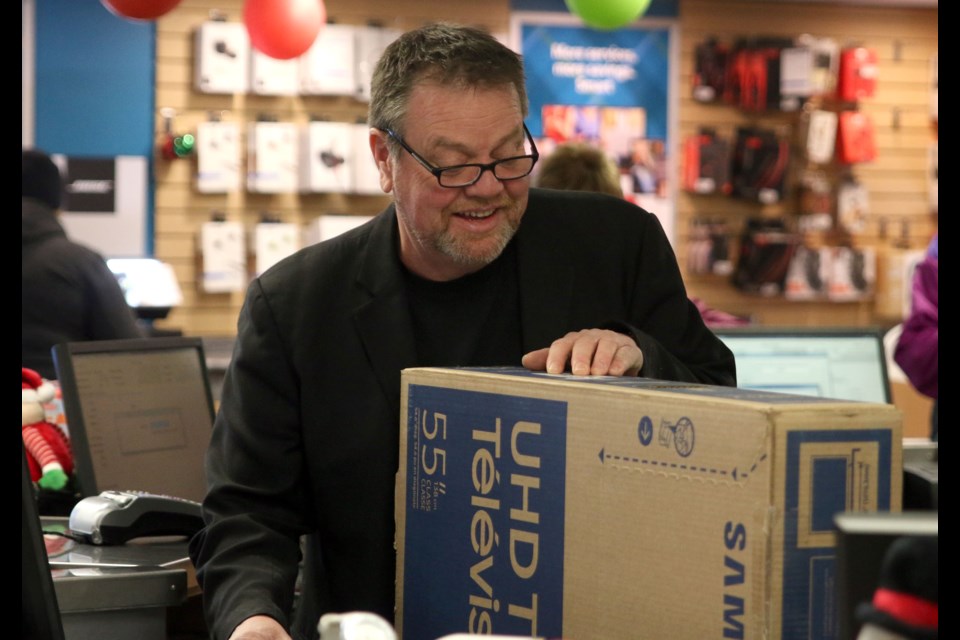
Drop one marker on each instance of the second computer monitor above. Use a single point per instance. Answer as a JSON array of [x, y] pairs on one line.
[[842, 363]]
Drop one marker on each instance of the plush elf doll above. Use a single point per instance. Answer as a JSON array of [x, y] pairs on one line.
[[47, 446]]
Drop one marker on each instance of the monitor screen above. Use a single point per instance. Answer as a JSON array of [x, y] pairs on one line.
[[842, 363], [139, 414], [147, 282]]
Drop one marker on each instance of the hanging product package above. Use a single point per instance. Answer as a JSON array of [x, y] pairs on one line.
[[766, 249], [759, 165]]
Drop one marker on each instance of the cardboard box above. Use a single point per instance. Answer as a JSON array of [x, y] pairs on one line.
[[585, 508]]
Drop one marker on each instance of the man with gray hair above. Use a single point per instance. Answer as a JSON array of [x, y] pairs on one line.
[[468, 267]]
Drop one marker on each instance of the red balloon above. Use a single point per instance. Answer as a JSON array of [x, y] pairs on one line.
[[283, 29], [140, 9]]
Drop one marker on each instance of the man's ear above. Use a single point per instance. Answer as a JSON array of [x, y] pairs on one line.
[[381, 155]]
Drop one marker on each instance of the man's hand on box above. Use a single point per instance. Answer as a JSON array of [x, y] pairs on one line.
[[593, 352]]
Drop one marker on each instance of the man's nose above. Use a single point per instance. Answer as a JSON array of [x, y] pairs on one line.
[[487, 184]]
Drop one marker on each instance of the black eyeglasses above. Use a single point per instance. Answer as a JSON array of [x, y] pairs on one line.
[[464, 175]]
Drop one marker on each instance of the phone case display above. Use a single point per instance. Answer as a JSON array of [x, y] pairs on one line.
[[273, 77], [370, 43], [855, 138], [224, 255], [796, 70], [808, 70], [708, 248], [753, 73], [366, 176], [272, 151], [766, 251], [857, 77], [815, 212], [222, 58], [821, 136], [710, 70], [327, 157], [274, 241], [852, 273], [219, 168], [840, 274], [808, 273], [826, 63], [853, 206], [759, 166], [328, 68], [706, 158]]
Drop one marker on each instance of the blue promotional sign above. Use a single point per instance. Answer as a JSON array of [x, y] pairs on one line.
[[610, 89], [577, 66]]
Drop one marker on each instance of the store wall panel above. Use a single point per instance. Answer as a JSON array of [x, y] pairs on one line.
[[905, 39]]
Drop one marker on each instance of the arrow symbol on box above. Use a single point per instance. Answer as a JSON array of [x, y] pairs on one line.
[[645, 431]]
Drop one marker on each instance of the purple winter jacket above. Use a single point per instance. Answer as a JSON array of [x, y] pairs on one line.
[[917, 350]]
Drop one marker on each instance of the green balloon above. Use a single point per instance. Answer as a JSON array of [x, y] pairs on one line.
[[608, 14]]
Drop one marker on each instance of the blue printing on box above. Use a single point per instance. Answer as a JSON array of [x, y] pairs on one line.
[[456, 577], [809, 576]]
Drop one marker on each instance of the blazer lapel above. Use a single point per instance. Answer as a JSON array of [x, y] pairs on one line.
[[382, 316]]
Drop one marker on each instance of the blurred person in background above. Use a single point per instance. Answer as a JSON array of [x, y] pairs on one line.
[[68, 294], [918, 348], [579, 166]]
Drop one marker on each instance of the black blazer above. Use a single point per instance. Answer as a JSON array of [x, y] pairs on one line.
[[307, 436]]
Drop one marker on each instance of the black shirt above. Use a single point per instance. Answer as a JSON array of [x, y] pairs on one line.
[[470, 321]]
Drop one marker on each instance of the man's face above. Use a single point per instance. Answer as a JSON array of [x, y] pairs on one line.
[[448, 233]]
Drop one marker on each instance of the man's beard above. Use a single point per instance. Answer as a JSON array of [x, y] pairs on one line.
[[465, 252]]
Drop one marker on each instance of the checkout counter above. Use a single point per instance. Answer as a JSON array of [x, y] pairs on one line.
[[120, 592]]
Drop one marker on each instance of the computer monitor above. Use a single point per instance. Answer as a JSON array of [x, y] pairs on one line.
[[149, 285], [862, 542], [139, 414], [842, 363]]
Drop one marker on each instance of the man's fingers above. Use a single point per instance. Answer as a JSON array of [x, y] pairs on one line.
[[604, 358], [536, 360], [627, 362], [560, 353], [589, 352]]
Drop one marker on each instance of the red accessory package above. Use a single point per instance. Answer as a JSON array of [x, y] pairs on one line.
[[706, 166], [858, 74], [855, 139]]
